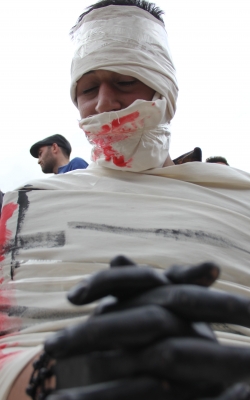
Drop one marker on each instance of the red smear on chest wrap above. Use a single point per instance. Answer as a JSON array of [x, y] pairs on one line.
[[7, 323], [7, 357], [5, 234], [7, 301], [8, 345]]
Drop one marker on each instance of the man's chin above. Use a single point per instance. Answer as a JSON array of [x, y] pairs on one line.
[[47, 171]]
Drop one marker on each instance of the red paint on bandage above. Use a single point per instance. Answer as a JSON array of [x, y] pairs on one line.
[[5, 234], [117, 125], [111, 154], [7, 323], [6, 345], [116, 131], [7, 357]]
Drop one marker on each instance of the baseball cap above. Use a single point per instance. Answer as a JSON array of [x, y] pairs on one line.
[[60, 140]]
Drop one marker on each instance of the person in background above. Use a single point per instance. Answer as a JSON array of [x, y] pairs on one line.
[[53, 155], [217, 160]]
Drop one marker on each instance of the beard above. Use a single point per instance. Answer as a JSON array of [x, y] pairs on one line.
[[48, 166]]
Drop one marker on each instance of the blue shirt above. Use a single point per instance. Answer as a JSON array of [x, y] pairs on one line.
[[76, 163]]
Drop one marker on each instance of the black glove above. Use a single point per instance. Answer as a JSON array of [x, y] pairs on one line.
[[145, 339], [145, 389]]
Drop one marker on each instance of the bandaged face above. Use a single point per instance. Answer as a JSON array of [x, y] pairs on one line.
[[104, 91], [123, 83]]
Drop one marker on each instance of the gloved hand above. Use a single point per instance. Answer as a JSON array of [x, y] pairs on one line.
[[150, 340]]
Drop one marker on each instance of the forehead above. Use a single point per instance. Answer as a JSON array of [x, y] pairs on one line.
[[102, 74]]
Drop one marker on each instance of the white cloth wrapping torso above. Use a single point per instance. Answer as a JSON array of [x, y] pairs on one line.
[[75, 223]]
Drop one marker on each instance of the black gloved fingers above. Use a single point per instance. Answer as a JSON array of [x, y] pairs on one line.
[[118, 282], [204, 274], [132, 328], [130, 389], [139, 388], [189, 360], [125, 279], [193, 303], [239, 391]]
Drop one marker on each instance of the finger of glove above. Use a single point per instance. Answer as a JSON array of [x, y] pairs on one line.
[[118, 282], [192, 303], [186, 360], [127, 329], [121, 261], [127, 282], [190, 359], [131, 389], [203, 274], [144, 388], [240, 391]]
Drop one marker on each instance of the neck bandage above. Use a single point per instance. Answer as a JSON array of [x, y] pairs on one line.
[[129, 41], [134, 139]]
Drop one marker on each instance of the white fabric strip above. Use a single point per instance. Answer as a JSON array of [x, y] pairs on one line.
[[134, 139], [126, 40]]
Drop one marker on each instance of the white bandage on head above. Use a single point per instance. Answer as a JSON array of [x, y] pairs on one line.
[[129, 41]]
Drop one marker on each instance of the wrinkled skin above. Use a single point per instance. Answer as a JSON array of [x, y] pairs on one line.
[[151, 339]]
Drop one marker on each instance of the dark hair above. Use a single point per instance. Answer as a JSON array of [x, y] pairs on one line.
[[65, 152], [143, 4], [217, 159]]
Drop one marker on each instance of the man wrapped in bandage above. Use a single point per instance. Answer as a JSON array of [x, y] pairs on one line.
[[150, 334]]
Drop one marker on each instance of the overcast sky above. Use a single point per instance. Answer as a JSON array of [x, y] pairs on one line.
[[209, 40]]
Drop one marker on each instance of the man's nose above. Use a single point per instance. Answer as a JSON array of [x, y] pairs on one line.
[[108, 99]]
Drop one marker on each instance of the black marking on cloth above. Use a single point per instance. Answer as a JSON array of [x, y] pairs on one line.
[[24, 203], [42, 239], [199, 236], [38, 240], [42, 313]]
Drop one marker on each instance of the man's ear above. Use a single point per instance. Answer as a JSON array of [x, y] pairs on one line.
[[54, 148]]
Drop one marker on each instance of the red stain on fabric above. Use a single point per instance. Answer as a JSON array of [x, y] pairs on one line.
[[5, 353], [5, 234], [6, 345], [7, 357], [118, 159], [118, 125], [7, 301], [116, 131]]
